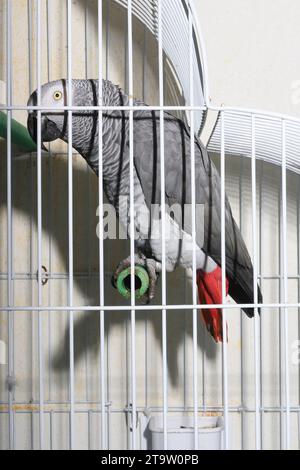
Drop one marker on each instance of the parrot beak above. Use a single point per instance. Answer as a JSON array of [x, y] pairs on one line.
[[32, 125]]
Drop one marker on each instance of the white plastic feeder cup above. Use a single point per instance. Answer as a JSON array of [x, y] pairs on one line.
[[181, 433]]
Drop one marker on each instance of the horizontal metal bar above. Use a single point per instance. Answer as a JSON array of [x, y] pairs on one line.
[[102, 108], [108, 274], [53, 276], [33, 408], [114, 308], [234, 110]]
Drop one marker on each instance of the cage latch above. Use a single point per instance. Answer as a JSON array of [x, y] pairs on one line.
[[128, 414], [45, 275], [11, 383]]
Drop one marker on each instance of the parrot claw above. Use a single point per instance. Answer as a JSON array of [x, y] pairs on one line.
[[152, 267]]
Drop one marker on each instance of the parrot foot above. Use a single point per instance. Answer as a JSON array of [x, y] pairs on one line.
[[152, 267]]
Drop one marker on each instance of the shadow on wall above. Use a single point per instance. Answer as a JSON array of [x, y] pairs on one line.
[[86, 327]]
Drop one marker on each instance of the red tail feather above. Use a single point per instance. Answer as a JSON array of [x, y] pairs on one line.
[[210, 293]]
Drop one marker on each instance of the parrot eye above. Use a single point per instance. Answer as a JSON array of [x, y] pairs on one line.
[[57, 95]]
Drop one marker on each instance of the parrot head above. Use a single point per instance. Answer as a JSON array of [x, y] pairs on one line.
[[54, 95], [53, 121]]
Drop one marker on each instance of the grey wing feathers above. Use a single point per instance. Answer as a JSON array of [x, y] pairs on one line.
[[178, 190]]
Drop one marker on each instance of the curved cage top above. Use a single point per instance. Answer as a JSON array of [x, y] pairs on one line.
[[239, 126], [175, 17]]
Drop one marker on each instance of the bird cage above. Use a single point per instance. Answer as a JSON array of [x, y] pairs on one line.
[[80, 366]]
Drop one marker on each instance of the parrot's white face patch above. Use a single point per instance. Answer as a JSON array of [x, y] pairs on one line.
[[53, 96]]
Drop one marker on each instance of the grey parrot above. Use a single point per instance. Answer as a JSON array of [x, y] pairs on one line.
[[147, 190]]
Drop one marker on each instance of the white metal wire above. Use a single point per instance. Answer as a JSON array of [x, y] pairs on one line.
[[194, 267], [39, 211], [70, 224], [163, 222], [9, 221], [255, 283], [132, 218], [223, 258], [285, 289], [101, 236]]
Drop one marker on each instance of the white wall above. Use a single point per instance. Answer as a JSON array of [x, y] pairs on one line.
[[253, 52]]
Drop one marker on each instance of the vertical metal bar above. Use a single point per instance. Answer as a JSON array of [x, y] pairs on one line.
[[145, 49], [281, 317], [243, 414], [193, 199], [185, 360], [88, 196], [285, 289], [9, 222], [70, 221], [298, 419], [50, 197], [51, 429], [49, 37], [88, 215], [107, 44], [144, 93], [30, 10], [261, 251], [128, 319], [86, 42], [298, 297], [255, 299], [101, 230], [39, 225], [132, 230], [163, 222], [107, 36], [223, 249]]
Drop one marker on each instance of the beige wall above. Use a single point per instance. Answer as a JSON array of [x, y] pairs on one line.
[[253, 52]]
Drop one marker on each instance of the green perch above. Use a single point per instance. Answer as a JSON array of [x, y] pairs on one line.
[[141, 282], [19, 134]]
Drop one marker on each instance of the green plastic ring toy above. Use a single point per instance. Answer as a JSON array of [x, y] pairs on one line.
[[141, 282]]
